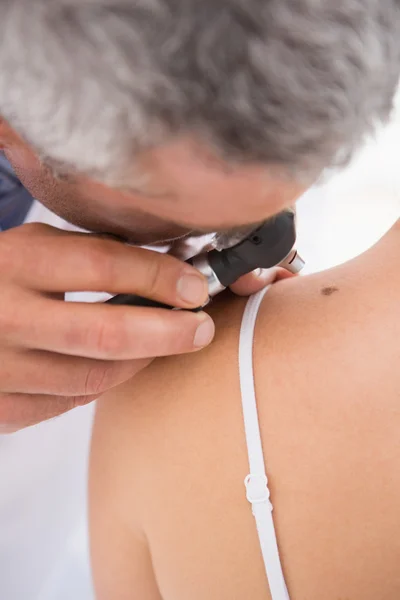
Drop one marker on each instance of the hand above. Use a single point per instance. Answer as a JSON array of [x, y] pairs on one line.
[[57, 355], [257, 280]]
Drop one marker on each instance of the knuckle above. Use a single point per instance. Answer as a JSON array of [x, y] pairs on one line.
[[98, 379], [101, 263], [107, 338], [10, 319], [154, 274]]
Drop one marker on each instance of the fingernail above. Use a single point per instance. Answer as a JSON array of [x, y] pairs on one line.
[[192, 289], [205, 332], [258, 272]]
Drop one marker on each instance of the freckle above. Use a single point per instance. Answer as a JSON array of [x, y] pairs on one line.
[[328, 291]]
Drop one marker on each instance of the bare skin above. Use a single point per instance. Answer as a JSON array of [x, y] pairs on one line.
[[54, 357], [169, 517]]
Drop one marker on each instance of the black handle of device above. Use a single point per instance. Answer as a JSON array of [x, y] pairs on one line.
[[132, 300]]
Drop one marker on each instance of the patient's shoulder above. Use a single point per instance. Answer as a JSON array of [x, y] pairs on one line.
[[329, 336], [310, 331]]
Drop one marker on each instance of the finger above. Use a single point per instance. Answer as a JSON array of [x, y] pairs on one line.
[[18, 411], [257, 280], [105, 332], [45, 373], [72, 262]]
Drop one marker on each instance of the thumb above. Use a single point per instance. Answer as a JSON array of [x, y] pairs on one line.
[[259, 279]]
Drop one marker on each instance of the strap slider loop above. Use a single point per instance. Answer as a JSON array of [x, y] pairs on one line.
[[257, 491]]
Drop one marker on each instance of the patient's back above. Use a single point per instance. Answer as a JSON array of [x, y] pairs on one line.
[[170, 518]]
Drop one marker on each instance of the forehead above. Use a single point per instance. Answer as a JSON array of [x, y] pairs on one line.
[[184, 184]]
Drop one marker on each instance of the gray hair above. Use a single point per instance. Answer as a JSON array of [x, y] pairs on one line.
[[294, 83]]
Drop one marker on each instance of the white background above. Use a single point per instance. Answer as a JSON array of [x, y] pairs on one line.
[[43, 547]]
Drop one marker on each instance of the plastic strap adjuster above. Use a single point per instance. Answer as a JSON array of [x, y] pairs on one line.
[[257, 491]]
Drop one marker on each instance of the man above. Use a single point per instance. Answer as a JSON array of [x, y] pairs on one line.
[[147, 120], [152, 121]]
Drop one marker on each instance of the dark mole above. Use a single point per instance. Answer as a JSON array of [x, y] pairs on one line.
[[328, 291]]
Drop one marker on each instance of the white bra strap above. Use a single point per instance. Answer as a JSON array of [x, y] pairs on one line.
[[256, 482]]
